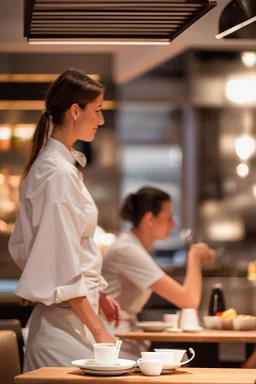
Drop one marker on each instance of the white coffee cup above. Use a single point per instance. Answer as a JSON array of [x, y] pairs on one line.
[[178, 354], [151, 367], [188, 318], [166, 357], [172, 318], [105, 353]]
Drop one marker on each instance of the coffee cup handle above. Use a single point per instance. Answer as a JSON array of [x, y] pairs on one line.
[[138, 362], [191, 350]]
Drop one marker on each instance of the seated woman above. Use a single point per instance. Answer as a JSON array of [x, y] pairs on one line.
[[132, 273]]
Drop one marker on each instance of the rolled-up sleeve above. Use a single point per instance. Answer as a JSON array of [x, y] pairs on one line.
[[52, 272]]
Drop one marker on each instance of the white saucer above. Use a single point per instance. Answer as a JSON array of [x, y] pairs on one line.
[[166, 371], [89, 365], [193, 329], [174, 330], [106, 373], [171, 366], [153, 326]]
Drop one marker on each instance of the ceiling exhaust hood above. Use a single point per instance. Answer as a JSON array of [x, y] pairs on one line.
[[110, 22], [238, 20]]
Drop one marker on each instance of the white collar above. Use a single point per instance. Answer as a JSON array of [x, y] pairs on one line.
[[72, 156]]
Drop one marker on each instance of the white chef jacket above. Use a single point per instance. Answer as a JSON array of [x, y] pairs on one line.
[[130, 270], [52, 243]]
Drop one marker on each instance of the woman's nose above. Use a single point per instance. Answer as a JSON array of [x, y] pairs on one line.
[[101, 119]]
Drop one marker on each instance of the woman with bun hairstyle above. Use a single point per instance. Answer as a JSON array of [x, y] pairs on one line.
[[52, 241], [133, 274]]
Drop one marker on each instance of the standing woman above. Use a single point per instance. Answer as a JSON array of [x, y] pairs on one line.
[[133, 274], [52, 241]]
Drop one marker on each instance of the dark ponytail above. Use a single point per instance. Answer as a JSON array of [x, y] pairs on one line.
[[71, 87], [147, 199], [38, 140]]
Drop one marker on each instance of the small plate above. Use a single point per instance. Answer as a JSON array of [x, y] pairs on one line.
[[154, 326], [173, 366], [106, 373], [174, 330], [89, 364], [193, 329]]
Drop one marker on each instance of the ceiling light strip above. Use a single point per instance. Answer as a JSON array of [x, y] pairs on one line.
[[33, 77], [111, 19], [180, 2], [90, 41], [38, 105], [108, 15], [71, 14], [100, 35], [107, 5], [102, 22], [107, 28], [119, 9]]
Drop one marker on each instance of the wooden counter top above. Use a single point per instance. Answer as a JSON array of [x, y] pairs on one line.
[[207, 335], [181, 376]]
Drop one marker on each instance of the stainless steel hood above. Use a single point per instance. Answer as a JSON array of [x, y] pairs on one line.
[[106, 21], [238, 20]]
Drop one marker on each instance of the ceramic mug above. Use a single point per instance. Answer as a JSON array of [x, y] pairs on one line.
[[188, 318], [178, 354], [166, 357], [105, 353], [172, 318], [151, 367]]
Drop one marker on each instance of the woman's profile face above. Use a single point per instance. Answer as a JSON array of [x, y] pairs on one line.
[[163, 222], [89, 119]]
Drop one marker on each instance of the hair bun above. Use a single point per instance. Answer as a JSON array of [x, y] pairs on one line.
[[128, 210]]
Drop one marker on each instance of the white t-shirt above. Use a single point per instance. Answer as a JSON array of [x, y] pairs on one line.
[[52, 241], [130, 270]]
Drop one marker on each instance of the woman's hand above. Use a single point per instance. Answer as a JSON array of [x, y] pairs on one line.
[[202, 253], [110, 309], [104, 337]]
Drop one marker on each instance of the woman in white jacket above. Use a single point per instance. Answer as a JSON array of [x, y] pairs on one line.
[[52, 241], [133, 274]]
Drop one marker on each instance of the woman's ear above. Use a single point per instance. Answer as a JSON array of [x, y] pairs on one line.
[[74, 111], [148, 218]]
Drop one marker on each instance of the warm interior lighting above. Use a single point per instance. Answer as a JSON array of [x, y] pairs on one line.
[[248, 59], [99, 42], [103, 239], [226, 230], [254, 190], [24, 132], [245, 146], [241, 90], [39, 105], [34, 77], [5, 133], [242, 170]]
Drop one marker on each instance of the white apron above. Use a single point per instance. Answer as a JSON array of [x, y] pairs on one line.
[[57, 336]]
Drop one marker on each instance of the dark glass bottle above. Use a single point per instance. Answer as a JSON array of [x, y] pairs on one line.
[[217, 301]]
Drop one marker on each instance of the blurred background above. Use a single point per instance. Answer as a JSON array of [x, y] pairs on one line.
[[180, 117]]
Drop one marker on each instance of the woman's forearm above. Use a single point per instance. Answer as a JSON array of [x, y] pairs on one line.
[[188, 294], [193, 282], [86, 314]]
